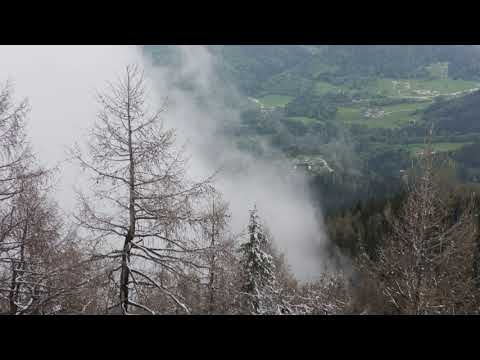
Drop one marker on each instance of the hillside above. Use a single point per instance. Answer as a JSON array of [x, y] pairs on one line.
[[363, 110], [456, 116], [258, 68]]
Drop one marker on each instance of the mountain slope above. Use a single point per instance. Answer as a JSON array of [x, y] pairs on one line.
[[456, 116]]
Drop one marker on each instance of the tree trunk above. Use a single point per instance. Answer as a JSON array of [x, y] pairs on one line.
[[16, 269], [211, 305], [125, 274]]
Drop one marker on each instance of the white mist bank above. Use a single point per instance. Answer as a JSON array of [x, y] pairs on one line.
[[60, 82], [282, 198]]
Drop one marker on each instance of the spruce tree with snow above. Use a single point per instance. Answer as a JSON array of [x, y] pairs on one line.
[[257, 270]]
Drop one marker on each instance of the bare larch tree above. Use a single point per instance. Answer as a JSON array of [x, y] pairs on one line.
[[426, 265], [219, 258], [14, 150], [16, 157], [140, 193]]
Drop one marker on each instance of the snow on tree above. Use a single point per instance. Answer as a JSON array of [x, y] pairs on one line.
[[426, 265], [220, 258], [258, 284], [142, 208]]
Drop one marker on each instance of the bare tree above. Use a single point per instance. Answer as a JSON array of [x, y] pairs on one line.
[[27, 254], [426, 265], [14, 150], [78, 285], [219, 257], [328, 295], [26, 218], [140, 194], [16, 158]]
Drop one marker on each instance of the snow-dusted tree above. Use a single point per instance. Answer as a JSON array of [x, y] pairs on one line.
[[257, 270], [28, 221], [16, 157], [328, 295], [140, 196], [28, 254], [79, 284], [220, 258], [33, 256], [426, 265], [14, 150]]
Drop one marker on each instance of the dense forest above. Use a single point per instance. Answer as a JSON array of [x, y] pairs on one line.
[[386, 137]]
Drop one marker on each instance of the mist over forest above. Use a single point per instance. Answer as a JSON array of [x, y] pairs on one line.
[[253, 179]]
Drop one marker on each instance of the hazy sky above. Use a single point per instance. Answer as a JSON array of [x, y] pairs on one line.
[[60, 83]]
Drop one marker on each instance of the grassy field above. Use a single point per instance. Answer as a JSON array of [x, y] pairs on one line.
[[322, 88], [438, 147], [418, 92], [275, 100], [444, 86], [393, 116], [404, 88], [418, 88]]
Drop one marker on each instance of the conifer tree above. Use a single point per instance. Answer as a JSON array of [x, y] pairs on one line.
[[257, 270]]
